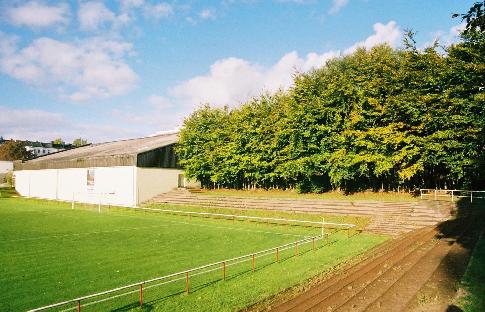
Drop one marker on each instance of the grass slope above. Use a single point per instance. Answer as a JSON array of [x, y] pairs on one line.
[[49, 253], [473, 280]]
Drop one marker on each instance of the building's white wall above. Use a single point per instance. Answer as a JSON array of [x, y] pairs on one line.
[[112, 185], [5, 166], [153, 181], [43, 183]]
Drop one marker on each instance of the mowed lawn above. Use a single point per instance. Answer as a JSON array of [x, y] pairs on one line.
[[50, 253]]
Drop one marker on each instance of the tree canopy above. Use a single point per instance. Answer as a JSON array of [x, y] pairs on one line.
[[382, 118], [14, 150], [79, 142]]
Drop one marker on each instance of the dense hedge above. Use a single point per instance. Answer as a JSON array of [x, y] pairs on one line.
[[377, 119]]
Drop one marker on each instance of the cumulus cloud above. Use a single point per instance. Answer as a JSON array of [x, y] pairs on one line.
[[337, 5], [159, 102], [160, 10], [92, 15], [36, 14], [233, 80], [35, 124], [79, 70], [383, 33], [447, 37], [207, 14]]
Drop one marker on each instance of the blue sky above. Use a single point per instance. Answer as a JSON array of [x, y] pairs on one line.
[[120, 69]]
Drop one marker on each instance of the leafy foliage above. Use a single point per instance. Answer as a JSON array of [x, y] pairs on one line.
[[377, 119], [79, 142], [14, 150]]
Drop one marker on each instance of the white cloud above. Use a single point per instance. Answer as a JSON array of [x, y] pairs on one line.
[[128, 4], [446, 37], [207, 14], [159, 102], [233, 80], [92, 15], [36, 14], [160, 10], [383, 33], [458, 29], [337, 5], [35, 124], [93, 68]]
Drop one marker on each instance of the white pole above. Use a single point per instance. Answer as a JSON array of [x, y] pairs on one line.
[[452, 199], [421, 193], [323, 222], [471, 196], [72, 203], [99, 204]]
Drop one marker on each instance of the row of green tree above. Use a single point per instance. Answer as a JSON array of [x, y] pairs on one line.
[[382, 118]]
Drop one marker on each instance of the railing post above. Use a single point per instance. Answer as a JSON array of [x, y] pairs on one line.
[[435, 194], [471, 196], [421, 193], [141, 295], [323, 223], [313, 243], [277, 254], [79, 306], [253, 263], [187, 282], [452, 197], [296, 248], [223, 270]]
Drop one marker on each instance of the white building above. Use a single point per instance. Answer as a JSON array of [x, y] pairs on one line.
[[120, 173], [38, 151]]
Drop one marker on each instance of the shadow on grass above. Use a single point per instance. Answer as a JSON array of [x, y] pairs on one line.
[[464, 229]]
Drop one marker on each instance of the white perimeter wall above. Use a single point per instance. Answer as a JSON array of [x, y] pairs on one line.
[[112, 185], [153, 181], [5, 166]]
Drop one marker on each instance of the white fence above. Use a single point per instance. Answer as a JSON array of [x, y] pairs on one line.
[[437, 194]]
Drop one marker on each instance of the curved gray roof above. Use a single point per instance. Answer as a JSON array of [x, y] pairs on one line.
[[116, 153]]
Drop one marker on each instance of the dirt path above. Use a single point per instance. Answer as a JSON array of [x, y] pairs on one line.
[[417, 272]]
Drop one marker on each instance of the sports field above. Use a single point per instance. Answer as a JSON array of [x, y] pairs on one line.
[[50, 253]]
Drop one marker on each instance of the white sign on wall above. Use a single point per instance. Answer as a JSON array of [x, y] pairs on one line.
[[90, 179]]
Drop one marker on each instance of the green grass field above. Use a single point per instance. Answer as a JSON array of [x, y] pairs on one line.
[[50, 253]]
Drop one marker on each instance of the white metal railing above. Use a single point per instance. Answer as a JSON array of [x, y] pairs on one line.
[[187, 274], [141, 286], [233, 217], [437, 193], [92, 198]]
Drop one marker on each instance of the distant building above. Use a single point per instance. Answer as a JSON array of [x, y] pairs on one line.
[[41, 149], [119, 173]]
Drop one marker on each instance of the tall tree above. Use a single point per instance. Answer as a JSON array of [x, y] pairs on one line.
[[474, 18], [58, 141], [79, 142], [14, 150]]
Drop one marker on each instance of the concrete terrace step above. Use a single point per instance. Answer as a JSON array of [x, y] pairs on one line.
[[386, 217]]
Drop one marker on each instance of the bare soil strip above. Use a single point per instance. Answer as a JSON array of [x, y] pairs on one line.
[[418, 272]]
